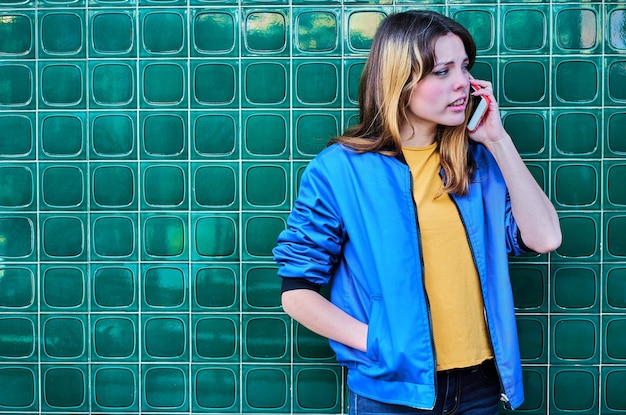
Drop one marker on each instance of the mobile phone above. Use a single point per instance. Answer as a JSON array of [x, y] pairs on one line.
[[480, 104]]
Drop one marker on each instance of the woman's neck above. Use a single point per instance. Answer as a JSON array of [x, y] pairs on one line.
[[412, 136]]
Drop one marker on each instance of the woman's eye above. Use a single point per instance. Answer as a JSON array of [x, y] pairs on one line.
[[441, 72]]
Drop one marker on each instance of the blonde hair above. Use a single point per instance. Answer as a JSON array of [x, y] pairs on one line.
[[402, 53]]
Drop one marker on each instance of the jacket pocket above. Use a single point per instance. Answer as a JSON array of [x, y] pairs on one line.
[[373, 329]]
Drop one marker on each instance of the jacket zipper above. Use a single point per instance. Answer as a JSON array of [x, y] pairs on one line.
[[503, 397], [421, 256]]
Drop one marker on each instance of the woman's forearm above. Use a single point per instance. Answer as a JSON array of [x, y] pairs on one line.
[[320, 316]]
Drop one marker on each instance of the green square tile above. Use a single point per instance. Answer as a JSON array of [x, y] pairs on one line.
[[614, 343], [63, 288], [63, 186], [113, 33], [114, 186], [266, 338], [115, 338], [261, 288], [310, 347], [163, 135], [612, 384], [266, 134], [19, 90], [165, 388], [525, 29], [577, 81], [20, 390], [574, 389], [215, 287], [114, 237], [113, 85], [165, 337], [615, 236], [18, 288], [316, 83], [577, 185], [266, 388], [575, 340], [533, 338], [215, 32], [481, 23], [485, 69], [266, 83], [19, 182], [616, 92], [17, 136], [318, 389], [524, 81], [265, 31], [64, 237], [216, 339], [615, 174], [19, 341], [313, 130], [536, 395], [115, 387], [19, 235], [17, 34], [216, 237], [62, 135], [163, 32], [575, 288], [317, 32], [164, 186], [163, 83], [62, 33], [64, 337], [215, 135], [353, 71], [113, 135], [616, 32], [615, 143], [361, 26], [215, 186], [529, 130], [216, 84], [581, 237], [64, 388], [165, 287], [265, 186], [577, 28], [115, 288], [259, 234], [216, 388], [61, 84], [164, 236], [529, 283], [577, 133]]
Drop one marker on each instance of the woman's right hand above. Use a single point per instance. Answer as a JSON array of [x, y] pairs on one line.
[[319, 315]]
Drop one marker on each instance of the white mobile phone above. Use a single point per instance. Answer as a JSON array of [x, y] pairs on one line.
[[480, 104]]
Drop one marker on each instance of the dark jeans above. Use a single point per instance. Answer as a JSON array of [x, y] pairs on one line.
[[469, 391]]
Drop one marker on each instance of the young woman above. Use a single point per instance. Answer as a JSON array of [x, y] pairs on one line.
[[410, 218]]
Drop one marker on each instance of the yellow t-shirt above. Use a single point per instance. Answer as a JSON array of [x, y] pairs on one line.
[[451, 279]]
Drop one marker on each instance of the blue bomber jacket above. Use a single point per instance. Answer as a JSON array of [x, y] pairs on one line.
[[354, 226]]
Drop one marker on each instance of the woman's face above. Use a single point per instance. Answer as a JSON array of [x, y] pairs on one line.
[[441, 96]]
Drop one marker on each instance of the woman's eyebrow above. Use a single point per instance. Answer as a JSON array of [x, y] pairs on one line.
[[450, 62]]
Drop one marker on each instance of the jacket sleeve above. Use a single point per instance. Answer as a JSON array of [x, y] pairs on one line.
[[499, 194], [514, 242], [312, 242]]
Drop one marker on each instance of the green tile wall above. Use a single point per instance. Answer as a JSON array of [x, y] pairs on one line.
[[150, 151]]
